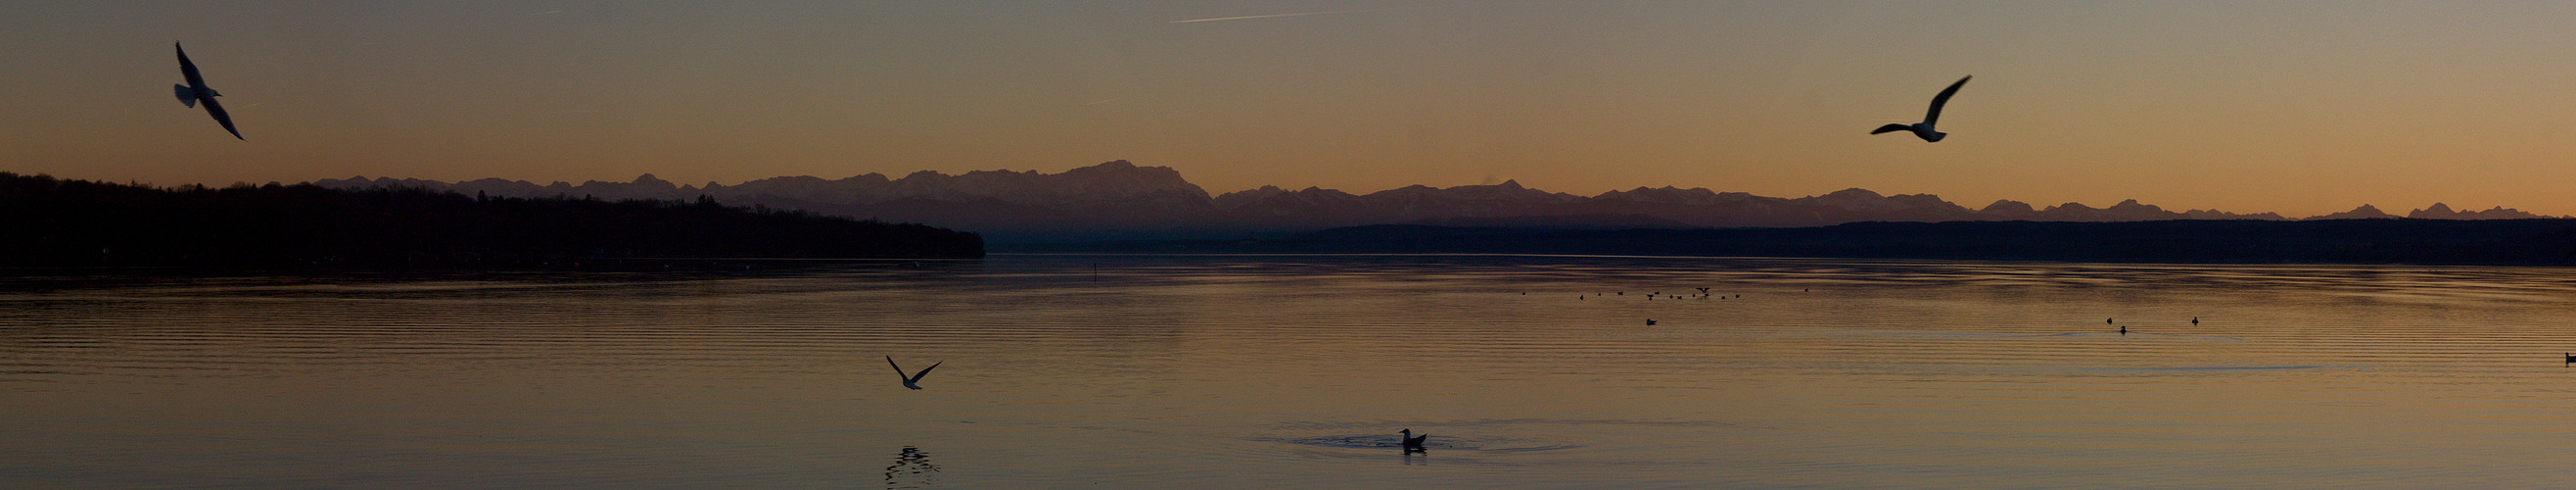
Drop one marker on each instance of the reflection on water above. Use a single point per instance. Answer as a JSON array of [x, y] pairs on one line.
[[1299, 370], [911, 469]]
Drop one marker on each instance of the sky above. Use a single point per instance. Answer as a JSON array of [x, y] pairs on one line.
[[2301, 108]]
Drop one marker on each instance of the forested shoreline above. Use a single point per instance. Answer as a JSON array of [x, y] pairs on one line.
[[50, 222]]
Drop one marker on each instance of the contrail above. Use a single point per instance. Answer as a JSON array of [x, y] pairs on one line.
[[1299, 14]]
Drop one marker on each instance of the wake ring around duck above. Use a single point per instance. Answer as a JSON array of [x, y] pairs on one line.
[[1449, 441]]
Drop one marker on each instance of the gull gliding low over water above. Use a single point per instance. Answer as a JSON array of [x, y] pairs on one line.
[[1924, 129], [196, 92], [911, 382]]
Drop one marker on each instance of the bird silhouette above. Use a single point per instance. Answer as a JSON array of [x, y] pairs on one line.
[[1413, 442], [1924, 129], [196, 92], [911, 382]]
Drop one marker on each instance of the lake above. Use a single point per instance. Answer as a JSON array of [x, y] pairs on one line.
[[1298, 371]]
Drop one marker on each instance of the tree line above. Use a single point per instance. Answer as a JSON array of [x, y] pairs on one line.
[[50, 222]]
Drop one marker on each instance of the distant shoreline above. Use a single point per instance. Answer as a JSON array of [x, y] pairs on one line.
[[54, 223], [2536, 242]]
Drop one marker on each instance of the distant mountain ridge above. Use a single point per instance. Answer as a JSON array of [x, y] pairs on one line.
[[1121, 200], [2241, 241]]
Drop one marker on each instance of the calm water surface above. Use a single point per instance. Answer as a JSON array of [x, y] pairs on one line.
[[1297, 371]]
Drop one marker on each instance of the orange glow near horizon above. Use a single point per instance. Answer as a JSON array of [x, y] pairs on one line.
[[2296, 108]]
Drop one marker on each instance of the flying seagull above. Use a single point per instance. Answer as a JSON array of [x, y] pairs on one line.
[[916, 378], [1924, 129], [195, 92]]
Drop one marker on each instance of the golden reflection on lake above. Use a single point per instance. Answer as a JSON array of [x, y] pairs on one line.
[[1297, 371]]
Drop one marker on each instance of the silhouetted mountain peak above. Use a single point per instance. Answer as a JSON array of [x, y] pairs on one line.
[[2501, 212], [2216, 214], [2007, 206], [1236, 199], [1853, 199], [1303, 201], [2132, 205], [1924, 201], [1916, 206], [648, 180], [1508, 190], [1697, 196], [2364, 212], [1853, 193], [2443, 211]]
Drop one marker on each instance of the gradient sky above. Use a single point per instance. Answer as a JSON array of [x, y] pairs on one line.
[[2299, 108]]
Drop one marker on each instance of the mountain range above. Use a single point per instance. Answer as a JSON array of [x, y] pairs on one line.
[[1119, 200]]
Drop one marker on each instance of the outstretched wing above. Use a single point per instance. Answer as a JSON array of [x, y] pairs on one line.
[[925, 372], [217, 109], [189, 69], [1944, 98], [1892, 128], [898, 369]]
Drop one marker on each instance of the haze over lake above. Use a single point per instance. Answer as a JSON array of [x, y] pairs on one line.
[[1297, 371]]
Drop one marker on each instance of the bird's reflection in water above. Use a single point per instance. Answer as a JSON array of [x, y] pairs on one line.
[[1416, 456], [911, 469]]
